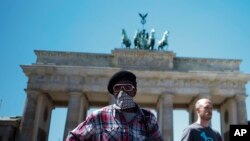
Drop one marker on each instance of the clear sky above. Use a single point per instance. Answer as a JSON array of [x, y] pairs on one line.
[[205, 29]]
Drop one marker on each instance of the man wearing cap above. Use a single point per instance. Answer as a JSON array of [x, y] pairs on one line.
[[122, 121]]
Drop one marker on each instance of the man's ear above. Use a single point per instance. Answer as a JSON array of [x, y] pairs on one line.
[[197, 110]]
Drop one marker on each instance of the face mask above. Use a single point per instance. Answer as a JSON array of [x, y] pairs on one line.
[[124, 101]]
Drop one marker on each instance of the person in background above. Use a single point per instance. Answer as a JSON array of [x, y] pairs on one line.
[[200, 130], [122, 121]]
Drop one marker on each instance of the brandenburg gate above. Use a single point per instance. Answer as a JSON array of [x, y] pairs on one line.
[[166, 82]]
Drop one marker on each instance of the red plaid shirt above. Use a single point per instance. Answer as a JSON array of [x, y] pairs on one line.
[[109, 124]]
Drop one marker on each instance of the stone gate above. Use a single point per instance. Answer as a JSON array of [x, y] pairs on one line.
[[165, 82]]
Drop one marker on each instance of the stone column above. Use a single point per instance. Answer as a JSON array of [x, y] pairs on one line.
[[77, 109], [85, 105], [192, 111], [165, 116], [111, 99], [43, 117], [228, 114], [27, 126], [241, 108]]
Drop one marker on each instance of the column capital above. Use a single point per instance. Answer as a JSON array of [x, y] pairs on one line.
[[33, 92], [240, 97], [204, 95], [166, 96], [75, 93]]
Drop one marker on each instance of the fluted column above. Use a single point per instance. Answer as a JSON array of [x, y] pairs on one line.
[[27, 126], [111, 99], [192, 112], [165, 116], [241, 108], [76, 111], [228, 113]]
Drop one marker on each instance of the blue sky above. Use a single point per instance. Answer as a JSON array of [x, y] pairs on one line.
[[206, 29]]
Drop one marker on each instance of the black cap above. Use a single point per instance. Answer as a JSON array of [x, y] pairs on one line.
[[121, 76]]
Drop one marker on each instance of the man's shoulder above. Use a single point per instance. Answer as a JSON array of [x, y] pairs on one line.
[[107, 108], [192, 127], [147, 112], [102, 111]]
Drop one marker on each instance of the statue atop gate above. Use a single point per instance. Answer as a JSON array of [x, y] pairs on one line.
[[144, 40]]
